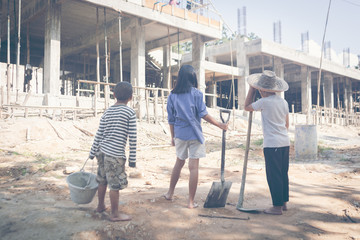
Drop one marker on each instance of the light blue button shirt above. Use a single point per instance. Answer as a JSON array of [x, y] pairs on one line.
[[185, 111]]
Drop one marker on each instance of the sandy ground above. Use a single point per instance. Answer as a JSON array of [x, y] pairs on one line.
[[36, 156]]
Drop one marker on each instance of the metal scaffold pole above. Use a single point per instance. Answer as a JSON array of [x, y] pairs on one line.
[[18, 55]]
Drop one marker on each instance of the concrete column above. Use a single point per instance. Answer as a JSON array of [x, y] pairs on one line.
[[137, 56], [351, 100], [211, 101], [346, 93], [329, 90], [279, 71], [198, 58], [242, 61], [137, 73], [52, 52], [165, 69], [211, 88], [116, 73], [306, 100]]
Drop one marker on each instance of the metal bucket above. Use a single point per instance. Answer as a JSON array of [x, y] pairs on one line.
[[83, 187], [306, 145]]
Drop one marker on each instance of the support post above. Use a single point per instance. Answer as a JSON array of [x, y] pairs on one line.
[[198, 58], [155, 106], [120, 49], [242, 62], [8, 54], [106, 87], [52, 52], [18, 55]]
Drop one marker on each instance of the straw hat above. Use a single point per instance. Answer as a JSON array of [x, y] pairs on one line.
[[268, 82]]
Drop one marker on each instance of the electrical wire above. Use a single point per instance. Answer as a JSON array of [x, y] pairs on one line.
[[321, 57]]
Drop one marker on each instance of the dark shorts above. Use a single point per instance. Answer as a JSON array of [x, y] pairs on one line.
[[111, 171]]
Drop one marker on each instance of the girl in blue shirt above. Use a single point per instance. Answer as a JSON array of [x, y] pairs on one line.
[[185, 109]]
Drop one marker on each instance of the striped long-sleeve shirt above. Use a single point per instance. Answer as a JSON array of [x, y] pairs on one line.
[[117, 124]]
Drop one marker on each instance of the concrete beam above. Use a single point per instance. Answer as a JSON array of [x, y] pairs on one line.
[[83, 42], [225, 69], [165, 40], [210, 77], [275, 49], [166, 19]]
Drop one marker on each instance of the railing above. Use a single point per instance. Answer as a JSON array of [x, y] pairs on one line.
[[155, 100], [189, 10]]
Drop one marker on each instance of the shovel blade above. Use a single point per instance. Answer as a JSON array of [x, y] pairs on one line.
[[218, 194], [250, 210]]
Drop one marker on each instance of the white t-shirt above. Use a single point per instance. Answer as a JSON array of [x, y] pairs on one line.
[[273, 115]]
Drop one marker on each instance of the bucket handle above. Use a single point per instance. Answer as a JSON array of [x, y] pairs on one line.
[[82, 170]]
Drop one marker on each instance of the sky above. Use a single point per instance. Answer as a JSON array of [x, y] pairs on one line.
[[297, 17]]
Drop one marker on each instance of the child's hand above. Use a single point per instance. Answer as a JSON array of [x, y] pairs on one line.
[[224, 126], [173, 142]]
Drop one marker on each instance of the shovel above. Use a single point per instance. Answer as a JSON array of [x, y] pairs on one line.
[[239, 206], [219, 190]]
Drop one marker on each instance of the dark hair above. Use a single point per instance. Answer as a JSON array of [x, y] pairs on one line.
[[186, 80], [123, 91]]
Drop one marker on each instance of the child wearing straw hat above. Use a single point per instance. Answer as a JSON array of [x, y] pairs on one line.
[[275, 124]]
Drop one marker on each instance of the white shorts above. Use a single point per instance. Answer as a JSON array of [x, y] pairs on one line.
[[189, 149]]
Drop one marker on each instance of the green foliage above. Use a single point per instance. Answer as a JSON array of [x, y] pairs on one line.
[[43, 159], [322, 149], [259, 142], [182, 48], [252, 36]]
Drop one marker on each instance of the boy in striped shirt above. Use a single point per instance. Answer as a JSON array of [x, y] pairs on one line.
[[117, 124]]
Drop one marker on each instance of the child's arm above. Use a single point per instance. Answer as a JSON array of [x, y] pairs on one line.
[[249, 99], [210, 119], [287, 121], [98, 138], [132, 141], [172, 134]]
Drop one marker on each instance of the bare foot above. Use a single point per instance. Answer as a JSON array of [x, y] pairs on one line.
[[276, 210], [284, 207], [194, 205], [119, 217], [100, 209], [167, 197]]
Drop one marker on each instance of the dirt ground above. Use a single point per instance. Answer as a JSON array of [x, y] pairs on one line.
[[37, 154]]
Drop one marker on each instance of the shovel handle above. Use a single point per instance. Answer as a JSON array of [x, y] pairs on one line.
[[243, 179], [228, 112]]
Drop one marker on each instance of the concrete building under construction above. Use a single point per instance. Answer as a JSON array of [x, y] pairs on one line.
[[77, 49]]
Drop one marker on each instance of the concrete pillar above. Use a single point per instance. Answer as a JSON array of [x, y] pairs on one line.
[[351, 100], [165, 69], [329, 90], [52, 52], [211, 88], [116, 72], [348, 105], [137, 73], [198, 58], [346, 93], [137, 62], [279, 71], [306, 100], [242, 61]]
